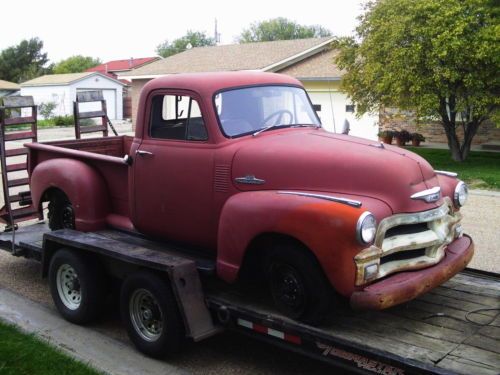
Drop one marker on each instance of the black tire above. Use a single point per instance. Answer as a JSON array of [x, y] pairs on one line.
[[162, 333], [297, 284], [79, 300], [61, 214]]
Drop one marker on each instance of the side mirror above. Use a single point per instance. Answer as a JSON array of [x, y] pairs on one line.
[[346, 127]]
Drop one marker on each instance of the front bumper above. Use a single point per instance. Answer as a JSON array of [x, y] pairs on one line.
[[405, 286]]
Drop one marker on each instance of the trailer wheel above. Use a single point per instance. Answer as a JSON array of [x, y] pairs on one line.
[[297, 284], [151, 316], [77, 286], [61, 214]]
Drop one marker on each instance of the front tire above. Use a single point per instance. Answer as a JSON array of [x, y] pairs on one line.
[[151, 316], [77, 285], [297, 284]]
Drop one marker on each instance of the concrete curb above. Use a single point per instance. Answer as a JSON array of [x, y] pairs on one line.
[[86, 345], [485, 193]]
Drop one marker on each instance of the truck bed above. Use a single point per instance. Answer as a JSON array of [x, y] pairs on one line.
[[455, 328], [103, 154]]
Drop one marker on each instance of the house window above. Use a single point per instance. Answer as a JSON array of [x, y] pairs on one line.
[[177, 117], [317, 107], [350, 108]]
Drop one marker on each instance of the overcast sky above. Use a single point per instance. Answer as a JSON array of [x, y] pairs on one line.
[[111, 29]]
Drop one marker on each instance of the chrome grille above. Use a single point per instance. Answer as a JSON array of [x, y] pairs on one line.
[[409, 241]]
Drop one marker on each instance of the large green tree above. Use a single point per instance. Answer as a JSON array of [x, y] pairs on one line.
[[75, 64], [437, 58], [280, 29], [23, 61], [193, 38]]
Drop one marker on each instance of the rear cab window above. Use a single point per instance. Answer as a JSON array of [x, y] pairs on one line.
[[177, 117]]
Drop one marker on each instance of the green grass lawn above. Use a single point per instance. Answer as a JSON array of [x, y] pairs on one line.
[[481, 170], [22, 354]]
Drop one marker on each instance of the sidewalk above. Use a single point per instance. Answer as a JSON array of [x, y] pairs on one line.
[[86, 345]]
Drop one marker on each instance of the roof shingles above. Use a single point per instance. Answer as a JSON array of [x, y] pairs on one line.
[[62, 79], [247, 56], [6, 85]]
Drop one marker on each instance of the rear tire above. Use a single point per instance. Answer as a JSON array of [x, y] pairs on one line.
[[297, 284], [151, 316], [61, 214], [77, 285]]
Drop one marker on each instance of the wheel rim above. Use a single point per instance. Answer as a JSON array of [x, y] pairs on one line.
[[146, 315], [68, 287], [287, 288]]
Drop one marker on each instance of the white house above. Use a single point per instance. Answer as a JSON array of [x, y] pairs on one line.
[[311, 61], [61, 89]]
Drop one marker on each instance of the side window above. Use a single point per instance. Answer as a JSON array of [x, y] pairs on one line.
[[177, 117]]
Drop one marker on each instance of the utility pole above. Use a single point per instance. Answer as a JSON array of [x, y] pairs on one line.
[[216, 33]]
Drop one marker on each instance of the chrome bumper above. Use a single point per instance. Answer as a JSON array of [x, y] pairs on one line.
[[442, 226]]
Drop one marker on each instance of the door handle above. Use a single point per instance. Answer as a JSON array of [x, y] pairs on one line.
[[143, 153]]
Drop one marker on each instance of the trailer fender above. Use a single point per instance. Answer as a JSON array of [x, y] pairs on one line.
[[326, 228], [82, 184]]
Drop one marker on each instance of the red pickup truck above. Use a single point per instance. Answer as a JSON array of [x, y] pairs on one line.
[[236, 165]]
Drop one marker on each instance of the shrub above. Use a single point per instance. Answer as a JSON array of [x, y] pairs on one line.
[[47, 109], [63, 120], [418, 137], [385, 133], [403, 136]]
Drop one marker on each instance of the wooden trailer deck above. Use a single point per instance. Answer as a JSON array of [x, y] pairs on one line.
[[455, 328]]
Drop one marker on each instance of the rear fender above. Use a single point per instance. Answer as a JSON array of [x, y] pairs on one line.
[[327, 228], [82, 184]]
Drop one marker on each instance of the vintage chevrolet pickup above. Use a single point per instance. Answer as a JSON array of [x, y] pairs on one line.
[[237, 166]]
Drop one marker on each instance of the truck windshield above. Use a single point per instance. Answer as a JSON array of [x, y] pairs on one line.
[[245, 111]]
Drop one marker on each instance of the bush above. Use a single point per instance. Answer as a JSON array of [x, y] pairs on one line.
[[63, 120], [385, 133], [47, 109], [418, 137], [403, 136]]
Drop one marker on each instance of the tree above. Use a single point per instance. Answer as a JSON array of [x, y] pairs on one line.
[[194, 38], [24, 61], [75, 64], [437, 58], [280, 29]]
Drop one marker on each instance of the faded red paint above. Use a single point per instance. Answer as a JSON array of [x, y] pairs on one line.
[[175, 194]]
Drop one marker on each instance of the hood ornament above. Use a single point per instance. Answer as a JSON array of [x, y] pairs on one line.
[[430, 195], [249, 180]]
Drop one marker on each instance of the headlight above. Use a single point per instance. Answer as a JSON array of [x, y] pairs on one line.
[[461, 194], [366, 228]]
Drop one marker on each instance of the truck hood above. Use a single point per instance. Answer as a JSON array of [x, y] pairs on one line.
[[315, 160]]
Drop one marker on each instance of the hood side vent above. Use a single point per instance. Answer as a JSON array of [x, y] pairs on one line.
[[221, 178]]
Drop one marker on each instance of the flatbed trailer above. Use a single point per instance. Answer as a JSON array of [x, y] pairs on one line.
[[454, 329]]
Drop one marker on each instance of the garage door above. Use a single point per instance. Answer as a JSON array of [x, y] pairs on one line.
[[334, 108], [110, 97]]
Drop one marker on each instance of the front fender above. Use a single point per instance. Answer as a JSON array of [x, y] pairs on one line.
[[327, 228], [82, 184]]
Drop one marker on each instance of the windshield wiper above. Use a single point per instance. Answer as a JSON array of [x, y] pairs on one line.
[[283, 125], [265, 128]]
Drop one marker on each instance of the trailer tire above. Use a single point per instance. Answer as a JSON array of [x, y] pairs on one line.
[[151, 316], [297, 283], [77, 286], [61, 213]]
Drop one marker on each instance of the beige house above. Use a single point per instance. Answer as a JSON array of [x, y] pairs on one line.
[[308, 60]]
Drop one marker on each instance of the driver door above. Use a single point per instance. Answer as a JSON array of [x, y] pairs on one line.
[[173, 172]]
